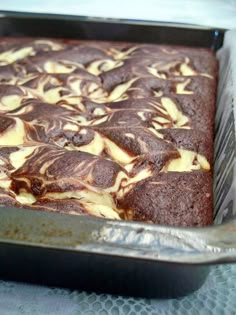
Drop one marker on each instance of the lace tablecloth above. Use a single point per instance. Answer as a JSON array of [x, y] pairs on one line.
[[218, 294]]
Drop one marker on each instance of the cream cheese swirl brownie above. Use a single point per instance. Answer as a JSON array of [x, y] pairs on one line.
[[116, 130]]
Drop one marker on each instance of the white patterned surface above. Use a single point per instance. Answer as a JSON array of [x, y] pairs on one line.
[[218, 294], [216, 297]]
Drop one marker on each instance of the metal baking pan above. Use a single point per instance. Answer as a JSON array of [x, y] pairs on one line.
[[104, 255]]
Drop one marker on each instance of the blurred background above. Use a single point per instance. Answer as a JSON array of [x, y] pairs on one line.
[[217, 13]]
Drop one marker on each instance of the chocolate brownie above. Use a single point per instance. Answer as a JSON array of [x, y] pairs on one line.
[[116, 130]]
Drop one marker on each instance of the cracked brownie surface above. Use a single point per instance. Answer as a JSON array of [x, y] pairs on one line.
[[115, 130]]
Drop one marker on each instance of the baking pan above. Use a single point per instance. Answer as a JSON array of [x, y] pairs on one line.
[[128, 258]]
